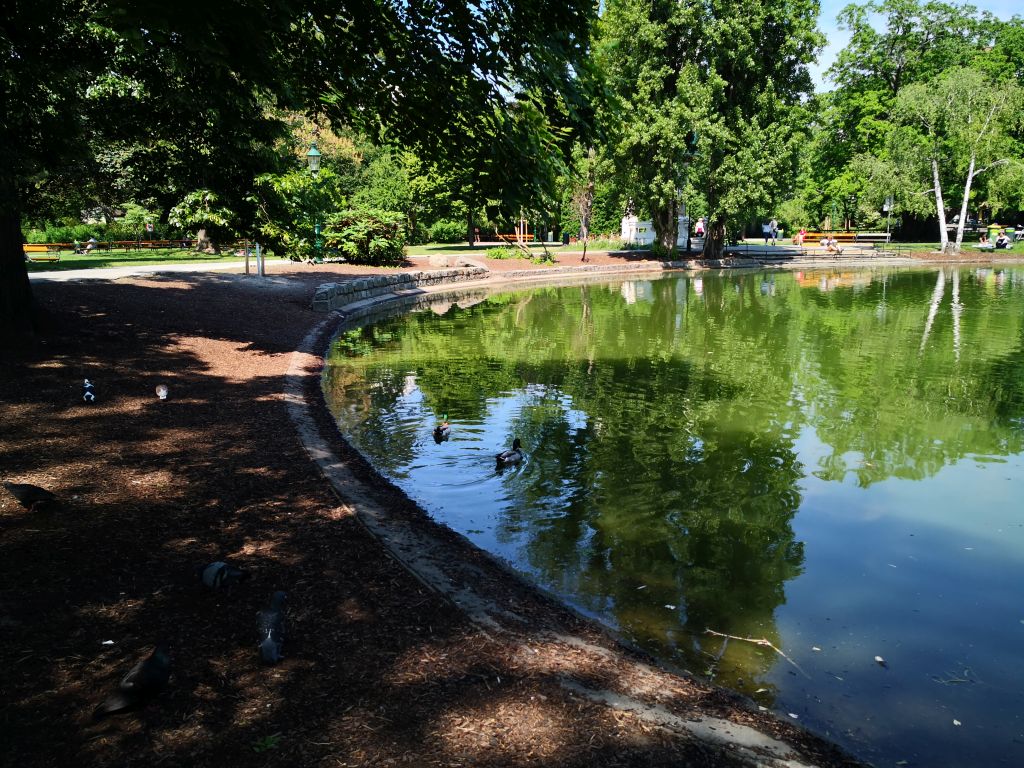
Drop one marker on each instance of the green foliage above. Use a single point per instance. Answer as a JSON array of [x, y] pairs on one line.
[[854, 148], [736, 76], [953, 129], [201, 209], [506, 252], [62, 233], [367, 237], [447, 231], [137, 216], [290, 205], [383, 183], [267, 743]]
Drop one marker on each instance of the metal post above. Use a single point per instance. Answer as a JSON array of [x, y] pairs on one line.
[[245, 247], [260, 264], [686, 210]]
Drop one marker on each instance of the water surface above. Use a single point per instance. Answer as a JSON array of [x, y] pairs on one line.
[[827, 460]]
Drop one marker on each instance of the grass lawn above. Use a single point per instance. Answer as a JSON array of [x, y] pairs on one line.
[[96, 259]]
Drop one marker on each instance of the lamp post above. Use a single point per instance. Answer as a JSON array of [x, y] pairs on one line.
[[691, 152], [313, 158]]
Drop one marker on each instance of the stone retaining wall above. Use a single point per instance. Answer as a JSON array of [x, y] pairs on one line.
[[330, 296], [355, 293]]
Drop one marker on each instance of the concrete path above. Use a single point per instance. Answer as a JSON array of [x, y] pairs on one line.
[[115, 273]]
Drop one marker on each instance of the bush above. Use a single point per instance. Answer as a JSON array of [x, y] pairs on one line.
[[367, 237], [447, 231], [505, 252]]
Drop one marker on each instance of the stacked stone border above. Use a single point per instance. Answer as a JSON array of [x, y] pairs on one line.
[[351, 294]]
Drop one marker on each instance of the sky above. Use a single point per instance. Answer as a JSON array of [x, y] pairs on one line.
[[837, 38]]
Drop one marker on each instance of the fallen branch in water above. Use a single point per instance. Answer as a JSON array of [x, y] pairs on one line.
[[758, 641]]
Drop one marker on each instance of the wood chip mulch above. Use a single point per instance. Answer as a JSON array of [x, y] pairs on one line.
[[378, 669]]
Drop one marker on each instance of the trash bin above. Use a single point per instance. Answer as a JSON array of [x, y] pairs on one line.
[[565, 238]]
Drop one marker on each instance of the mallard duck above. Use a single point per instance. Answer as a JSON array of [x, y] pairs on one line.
[[442, 430], [510, 456]]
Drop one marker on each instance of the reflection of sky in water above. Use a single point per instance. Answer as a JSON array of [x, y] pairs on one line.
[[925, 572]]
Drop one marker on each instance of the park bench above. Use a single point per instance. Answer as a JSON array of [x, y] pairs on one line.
[[841, 237], [155, 244], [513, 238], [872, 237], [42, 252]]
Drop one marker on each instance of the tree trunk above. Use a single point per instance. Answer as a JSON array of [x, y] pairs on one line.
[[203, 242], [470, 228], [714, 240], [666, 228], [963, 205], [940, 208], [17, 310]]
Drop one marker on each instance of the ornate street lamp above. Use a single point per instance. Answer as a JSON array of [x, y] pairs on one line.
[[691, 152], [313, 158]]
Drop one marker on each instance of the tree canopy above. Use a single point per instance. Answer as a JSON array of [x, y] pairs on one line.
[[157, 101]]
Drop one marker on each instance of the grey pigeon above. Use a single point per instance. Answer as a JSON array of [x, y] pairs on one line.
[[31, 496], [220, 574], [162, 391], [270, 629], [88, 392], [145, 680]]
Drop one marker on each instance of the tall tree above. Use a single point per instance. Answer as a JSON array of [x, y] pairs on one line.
[[958, 125], [893, 44], [734, 71], [381, 65]]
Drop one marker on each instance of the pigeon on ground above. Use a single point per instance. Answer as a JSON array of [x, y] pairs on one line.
[[219, 574], [270, 628], [162, 391], [31, 496], [511, 456], [145, 680], [88, 392]]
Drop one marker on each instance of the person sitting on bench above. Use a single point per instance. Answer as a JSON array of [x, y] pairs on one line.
[[832, 245]]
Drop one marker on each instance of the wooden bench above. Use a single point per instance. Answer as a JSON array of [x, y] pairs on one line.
[[41, 252], [841, 237], [872, 237], [514, 238]]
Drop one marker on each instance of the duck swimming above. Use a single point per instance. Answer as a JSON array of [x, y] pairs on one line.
[[511, 456], [443, 430]]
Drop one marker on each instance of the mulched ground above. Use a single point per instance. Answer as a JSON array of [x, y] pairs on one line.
[[378, 670]]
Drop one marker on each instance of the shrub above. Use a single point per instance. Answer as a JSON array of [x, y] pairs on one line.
[[506, 252], [447, 231], [367, 237]]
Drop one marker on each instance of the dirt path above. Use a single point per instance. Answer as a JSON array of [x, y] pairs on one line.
[[380, 669]]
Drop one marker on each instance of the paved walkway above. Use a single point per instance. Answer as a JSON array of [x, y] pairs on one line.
[[115, 273]]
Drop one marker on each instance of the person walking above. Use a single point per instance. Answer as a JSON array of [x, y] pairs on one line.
[[773, 230]]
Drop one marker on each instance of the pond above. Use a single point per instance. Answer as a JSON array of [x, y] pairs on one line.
[[830, 461]]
